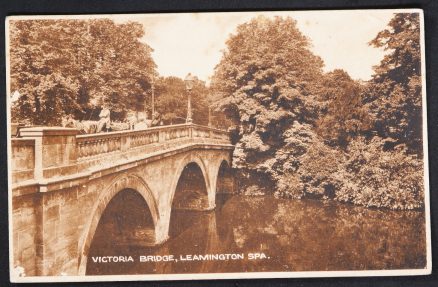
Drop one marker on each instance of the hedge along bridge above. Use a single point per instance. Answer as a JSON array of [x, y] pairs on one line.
[[62, 183]]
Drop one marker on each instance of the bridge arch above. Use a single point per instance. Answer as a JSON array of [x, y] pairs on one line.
[[121, 183], [194, 161]]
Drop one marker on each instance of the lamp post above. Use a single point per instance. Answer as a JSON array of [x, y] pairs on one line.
[[209, 104], [153, 97], [209, 115], [189, 80]]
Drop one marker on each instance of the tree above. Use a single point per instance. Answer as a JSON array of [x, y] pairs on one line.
[[73, 66], [267, 79], [394, 94], [42, 70], [123, 67], [343, 113], [384, 169]]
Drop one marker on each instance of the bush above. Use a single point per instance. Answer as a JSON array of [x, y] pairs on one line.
[[374, 177], [318, 166], [289, 186]]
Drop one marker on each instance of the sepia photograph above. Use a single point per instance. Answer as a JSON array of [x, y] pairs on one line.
[[177, 146]]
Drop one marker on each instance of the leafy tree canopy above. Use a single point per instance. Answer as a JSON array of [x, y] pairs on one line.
[[74, 66], [301, 132], [343, 114], [395, 90], [267, 79]]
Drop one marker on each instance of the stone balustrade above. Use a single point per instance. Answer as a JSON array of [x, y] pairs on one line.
[[47, 152]]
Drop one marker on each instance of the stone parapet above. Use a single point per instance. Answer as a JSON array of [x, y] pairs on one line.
[[43, 153], [23, 159], [54, 150]]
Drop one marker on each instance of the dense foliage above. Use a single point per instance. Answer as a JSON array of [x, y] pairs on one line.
[[74, 66], [268, 81], [395, 90], [343, 115], [301, 132], [375, 177]]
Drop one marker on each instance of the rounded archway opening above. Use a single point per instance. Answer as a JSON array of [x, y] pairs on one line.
[[225, 185], [191, 191], [191, 195], [126, 226]]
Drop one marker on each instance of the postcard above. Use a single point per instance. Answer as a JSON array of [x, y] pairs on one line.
[[217, 145]]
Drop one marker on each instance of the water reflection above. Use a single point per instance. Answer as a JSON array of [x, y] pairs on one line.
[[296, 235]]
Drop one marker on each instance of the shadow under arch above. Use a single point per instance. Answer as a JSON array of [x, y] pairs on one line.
[[191, 191], [122, 183], [225, 185], [190, 170], [225, 178]]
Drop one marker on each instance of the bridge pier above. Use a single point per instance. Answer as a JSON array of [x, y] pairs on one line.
[[162, 230]]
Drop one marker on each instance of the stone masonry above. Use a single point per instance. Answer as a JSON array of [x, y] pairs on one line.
[[62, 183]]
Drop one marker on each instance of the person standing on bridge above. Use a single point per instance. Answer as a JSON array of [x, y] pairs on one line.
[[104, 119], [156, 119]]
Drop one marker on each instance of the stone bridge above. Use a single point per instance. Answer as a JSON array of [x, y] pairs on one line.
[[63, 182]]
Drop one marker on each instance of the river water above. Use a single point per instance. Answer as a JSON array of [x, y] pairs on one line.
[[279, 235]]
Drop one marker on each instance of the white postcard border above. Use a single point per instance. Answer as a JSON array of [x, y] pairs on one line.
[[237, 275]]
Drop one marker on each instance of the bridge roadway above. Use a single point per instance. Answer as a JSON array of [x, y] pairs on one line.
[[62, 183]]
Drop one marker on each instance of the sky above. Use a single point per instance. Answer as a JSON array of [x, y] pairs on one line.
[[194, 42]]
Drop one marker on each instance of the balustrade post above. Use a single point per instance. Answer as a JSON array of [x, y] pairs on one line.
[[125, 142], [190, 128], [55, 150], [161, 136]]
